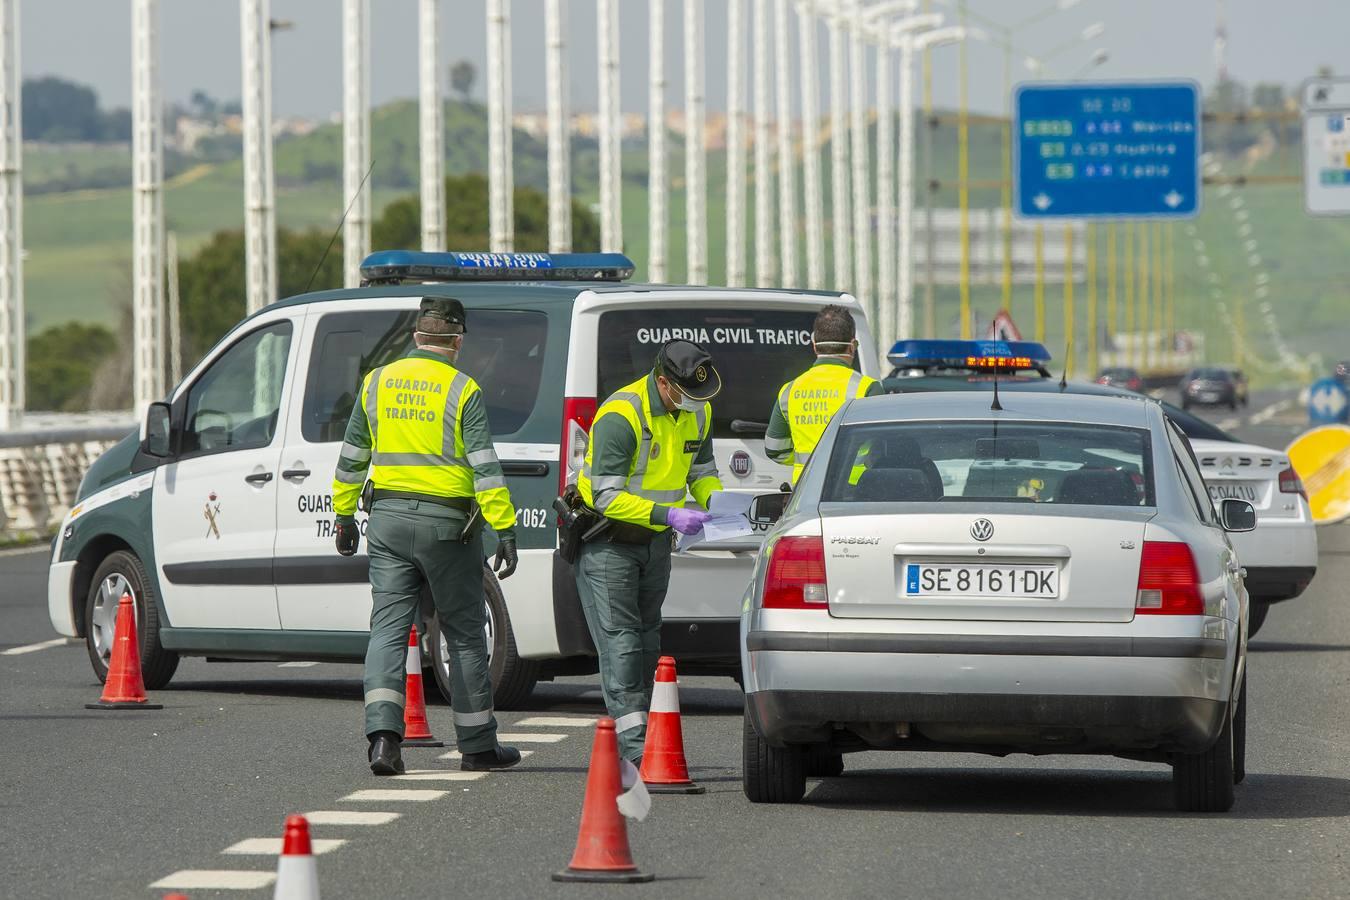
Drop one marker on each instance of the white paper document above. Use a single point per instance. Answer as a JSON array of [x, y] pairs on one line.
[[730, 519]]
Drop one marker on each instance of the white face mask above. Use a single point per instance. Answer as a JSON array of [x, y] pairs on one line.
[[689, 404]]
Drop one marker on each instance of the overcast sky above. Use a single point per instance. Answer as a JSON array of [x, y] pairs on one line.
[[89, 41]]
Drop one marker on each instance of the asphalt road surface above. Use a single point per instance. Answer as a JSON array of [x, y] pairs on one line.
[[110, 804]]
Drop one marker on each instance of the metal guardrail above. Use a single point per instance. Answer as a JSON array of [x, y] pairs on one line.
[[42, 462]]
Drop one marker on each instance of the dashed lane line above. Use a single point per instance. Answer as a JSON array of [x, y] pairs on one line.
[[296, 665], [1229, 424], [556, 722], [1271, 411], [455, 754], [272, 846], [33, 648], [214, 880], [411, 795], [525, 737], [437, 775], [350, 817]]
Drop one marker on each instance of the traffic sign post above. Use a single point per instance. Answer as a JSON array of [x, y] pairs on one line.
[[1328, 402], [1326, 146], [1107, 150]]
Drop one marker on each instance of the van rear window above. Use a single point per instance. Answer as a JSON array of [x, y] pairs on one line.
[[503, 352], [756, 351]]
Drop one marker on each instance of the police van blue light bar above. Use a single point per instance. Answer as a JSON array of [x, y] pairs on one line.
[[969, 354], [400, 266]]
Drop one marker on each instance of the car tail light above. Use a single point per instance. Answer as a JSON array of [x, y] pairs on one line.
[[1290, 483], [1169, 584], [796, 575], [578, 416]]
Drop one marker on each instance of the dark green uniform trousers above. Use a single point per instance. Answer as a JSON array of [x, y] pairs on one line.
[[622, 587], [413, 542]]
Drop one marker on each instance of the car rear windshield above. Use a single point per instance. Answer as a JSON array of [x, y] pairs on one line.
[[1054, 463], [755, 351], [1211, 374]]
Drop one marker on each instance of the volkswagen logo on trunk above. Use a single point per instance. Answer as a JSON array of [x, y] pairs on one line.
[[982, 529], [740, 464]]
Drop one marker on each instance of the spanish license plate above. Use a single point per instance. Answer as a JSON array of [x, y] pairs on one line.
[[1237, 490], [937, 580]]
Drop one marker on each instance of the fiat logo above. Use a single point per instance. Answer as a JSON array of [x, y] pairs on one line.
[[982, 529], [740, 464]]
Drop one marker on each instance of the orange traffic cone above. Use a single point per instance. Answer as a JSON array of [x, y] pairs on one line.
[[124, 688], [602, 852], [663, 766], [297, 873], [416, 731]]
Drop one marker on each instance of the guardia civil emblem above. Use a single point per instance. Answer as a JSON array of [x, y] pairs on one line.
[[656, 450]]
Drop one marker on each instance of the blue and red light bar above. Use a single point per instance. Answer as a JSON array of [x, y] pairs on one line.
[[415, 266], [996, 355]]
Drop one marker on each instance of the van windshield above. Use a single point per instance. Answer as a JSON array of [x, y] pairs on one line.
[[756, 352]]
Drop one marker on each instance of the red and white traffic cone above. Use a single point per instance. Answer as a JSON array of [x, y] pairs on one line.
[[416, 730], [602, 852], [663, 767], [124, 688], [297, 872]]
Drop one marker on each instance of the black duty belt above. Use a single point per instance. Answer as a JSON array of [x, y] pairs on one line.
[[463, 504]]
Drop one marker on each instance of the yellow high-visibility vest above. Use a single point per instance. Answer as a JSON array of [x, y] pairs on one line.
[[662, 471], [809, 401]]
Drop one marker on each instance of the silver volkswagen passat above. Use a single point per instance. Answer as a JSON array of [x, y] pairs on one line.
[[1044, 576]]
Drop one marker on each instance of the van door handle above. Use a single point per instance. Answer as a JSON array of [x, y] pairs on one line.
[[296, 473], [521, 467], [258, 478]]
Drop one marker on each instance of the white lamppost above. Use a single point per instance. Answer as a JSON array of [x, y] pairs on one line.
[[656, 142], [695, 172], [501, 216], [611, 203], [787, 176], [814, 199], [559, 149], [355, 137], [147, 153], [766, 265], [431, 125], [12, 331], [735, 143]]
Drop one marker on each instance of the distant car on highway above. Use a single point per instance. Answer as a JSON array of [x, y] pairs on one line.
[[1045, 577], [1280, 556], [1122, 377], [1210, 386]]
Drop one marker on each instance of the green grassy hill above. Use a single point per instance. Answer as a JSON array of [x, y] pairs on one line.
[[79, 243]]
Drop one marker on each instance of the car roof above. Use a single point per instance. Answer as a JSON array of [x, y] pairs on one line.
[[1126, 411]]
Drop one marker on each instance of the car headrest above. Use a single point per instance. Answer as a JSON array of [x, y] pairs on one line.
[[1101, 487], [895, 485]]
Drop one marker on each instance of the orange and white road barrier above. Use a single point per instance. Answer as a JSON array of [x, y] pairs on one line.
[[124, 688], [602, 852], [297, 872], [663, 766], [416, 730]]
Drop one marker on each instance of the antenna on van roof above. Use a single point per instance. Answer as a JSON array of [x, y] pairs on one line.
[[1064, 378], [996, 405], [336, 231]]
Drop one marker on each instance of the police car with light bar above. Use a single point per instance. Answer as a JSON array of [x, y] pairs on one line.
[[218, 516], [1280, 556]]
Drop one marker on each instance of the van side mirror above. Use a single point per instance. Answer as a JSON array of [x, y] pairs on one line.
[[766, 509], [1237, 515], [157, 439]]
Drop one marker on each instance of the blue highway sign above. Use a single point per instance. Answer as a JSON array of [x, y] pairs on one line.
[[1328, 402], [1108, 149]]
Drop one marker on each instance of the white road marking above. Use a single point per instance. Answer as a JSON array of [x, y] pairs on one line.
[[556, 722], [438, 775], [33, 648], [215, 880], [1229, 423], [379, 796], [343, 817], [455, 754], [272, 846], [36, 547], [1271, 411], [525, 737], [296, 665]]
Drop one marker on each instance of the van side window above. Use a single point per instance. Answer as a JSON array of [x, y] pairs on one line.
[[235, 403], [503, 352]]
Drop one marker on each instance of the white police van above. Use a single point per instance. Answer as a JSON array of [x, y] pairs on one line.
[[218, 516]]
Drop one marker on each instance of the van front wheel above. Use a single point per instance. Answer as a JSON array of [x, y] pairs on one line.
[[122, 573]]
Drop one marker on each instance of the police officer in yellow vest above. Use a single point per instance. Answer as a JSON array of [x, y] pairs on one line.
[[649, 448], [421, 432], [807, 403]]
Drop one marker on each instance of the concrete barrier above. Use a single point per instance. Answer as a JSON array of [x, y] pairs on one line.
[[41, 464]]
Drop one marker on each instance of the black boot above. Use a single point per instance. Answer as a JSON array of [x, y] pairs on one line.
[[498, 757], [385, 756]]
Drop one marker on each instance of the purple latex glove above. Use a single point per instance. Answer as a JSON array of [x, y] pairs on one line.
[[686, 521]]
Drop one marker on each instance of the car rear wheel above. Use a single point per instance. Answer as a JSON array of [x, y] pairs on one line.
[[122, 573], [1203, 782], [821, 762], [1256, 616], [513, 678], [771, 774]]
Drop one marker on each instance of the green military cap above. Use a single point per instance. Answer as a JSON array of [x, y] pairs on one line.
[[447, 309]]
